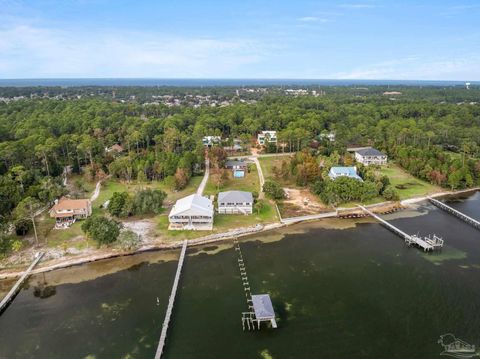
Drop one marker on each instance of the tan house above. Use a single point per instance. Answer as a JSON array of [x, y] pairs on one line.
[[66, 211]]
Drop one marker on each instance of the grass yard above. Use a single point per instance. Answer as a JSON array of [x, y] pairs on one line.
[[222, 223], [249, 183], [173, 195], [268, 163], [407, 185]]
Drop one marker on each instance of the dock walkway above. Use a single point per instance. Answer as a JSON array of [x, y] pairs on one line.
[[171, 300], [427, 243], [11, 294], [456, 213]]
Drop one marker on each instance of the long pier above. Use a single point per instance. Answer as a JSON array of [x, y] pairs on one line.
[[11, 294], [427, 243], [456, 213], [171, 300]]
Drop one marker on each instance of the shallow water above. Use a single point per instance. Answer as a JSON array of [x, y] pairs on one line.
[[356, 292]]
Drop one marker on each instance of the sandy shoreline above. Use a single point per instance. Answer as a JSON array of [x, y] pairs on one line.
[[101, 254]]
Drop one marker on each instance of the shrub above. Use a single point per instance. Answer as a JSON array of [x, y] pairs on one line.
[[273, 190], [101, 229], [390, 194], [129, 240]]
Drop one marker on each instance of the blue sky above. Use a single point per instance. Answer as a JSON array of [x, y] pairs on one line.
[[428, 40]]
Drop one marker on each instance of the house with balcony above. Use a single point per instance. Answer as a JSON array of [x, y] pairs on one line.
[[66, 211], [235, 202], [266, 137], [370, 156], [193, 212]]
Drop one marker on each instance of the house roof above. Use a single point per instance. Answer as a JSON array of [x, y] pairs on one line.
[[192, 205], [65, 204], [232, 163], [262, 305], [345, 171], [235, 197], [369, 152]]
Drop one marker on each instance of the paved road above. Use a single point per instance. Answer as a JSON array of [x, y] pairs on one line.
[[201, 188]]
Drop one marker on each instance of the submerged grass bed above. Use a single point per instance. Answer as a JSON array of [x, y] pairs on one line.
[[448, 253]]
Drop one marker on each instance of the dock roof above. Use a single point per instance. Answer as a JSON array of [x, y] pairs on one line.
[[262, 305]]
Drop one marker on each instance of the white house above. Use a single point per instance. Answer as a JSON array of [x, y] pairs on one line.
[[336, 172], [330, 136], [265, 137], [370, 156], [235, 202], [193, 212], [210, 141]]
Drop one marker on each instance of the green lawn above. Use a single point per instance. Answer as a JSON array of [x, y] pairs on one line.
[[250, 183], [173, 195], [108, 188], [268, 163], [407, 185], [222, 223]]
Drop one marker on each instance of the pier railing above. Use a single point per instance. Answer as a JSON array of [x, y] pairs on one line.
[[456, 213], [11, 294], [171, 300], [427, 243]]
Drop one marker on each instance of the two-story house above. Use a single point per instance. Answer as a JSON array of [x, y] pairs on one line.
[[66, 211], [370, 156], [235, 202]]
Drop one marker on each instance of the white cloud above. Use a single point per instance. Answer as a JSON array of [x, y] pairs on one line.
[[418, 68], [29, 51]]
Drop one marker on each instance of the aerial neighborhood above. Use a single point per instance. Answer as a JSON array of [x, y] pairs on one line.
[[162, 174]]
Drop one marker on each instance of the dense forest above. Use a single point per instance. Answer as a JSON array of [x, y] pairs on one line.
[[433, 133]]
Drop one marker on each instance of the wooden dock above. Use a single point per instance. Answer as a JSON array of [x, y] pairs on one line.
[[11, 294], [171, 300], [259, 306], [458, 214], [427, 243]]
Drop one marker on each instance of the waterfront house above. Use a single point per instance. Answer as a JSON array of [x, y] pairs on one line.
[[193, 212], [66, 211], [235, 202], [336, 172], [266, 137], [370, 156], [239, 168], [210, 141]]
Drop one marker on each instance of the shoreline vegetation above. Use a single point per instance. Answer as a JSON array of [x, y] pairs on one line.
[[99, 254]]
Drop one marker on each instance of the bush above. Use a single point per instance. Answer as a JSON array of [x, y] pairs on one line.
[[101, 229], [273, 190], [129, 240], [116, 206], [390, 194], [146, 201], [345, 189]]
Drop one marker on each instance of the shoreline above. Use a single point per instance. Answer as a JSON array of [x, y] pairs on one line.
[[63, 262]]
